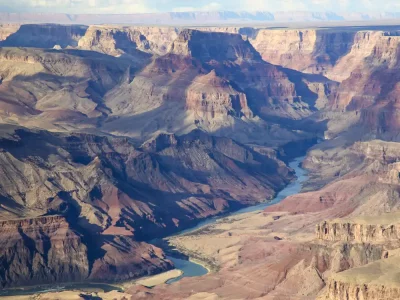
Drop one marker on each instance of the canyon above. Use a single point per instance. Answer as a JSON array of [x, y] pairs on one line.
[[114, 135]]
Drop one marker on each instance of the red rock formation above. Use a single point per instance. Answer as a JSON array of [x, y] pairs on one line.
[[310, 51], [47, 250], [211, 97]]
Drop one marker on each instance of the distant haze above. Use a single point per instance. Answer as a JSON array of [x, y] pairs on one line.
[[163, 6], [197, 18]]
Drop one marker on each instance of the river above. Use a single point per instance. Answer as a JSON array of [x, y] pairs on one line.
[[189, 268]]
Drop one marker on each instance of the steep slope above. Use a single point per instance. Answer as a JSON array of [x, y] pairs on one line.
[[365, 104], [43, 87], [89, 199], [111, 183], [47, 249], [41, 250]]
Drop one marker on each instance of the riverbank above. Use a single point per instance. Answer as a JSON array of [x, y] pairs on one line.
[[72, 295], [185, 253], [155, 280], [218, 245]]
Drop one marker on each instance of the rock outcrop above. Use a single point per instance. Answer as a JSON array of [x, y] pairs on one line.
[[378, 280], [337, 290], [361, 232], [211, 97]]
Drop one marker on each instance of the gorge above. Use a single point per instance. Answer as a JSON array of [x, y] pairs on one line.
[[112, 136]]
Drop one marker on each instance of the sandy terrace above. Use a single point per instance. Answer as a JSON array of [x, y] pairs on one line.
[[220, 243]]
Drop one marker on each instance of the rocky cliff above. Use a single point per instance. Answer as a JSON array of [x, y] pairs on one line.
[[48, 249], [310, 51], [119, 40], [220, 100], [339, 290], [41, 35], [361, 233], [331, 52], [45, 249], [378, 280]]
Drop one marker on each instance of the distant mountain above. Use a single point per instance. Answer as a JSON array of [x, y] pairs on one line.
[[177, 18]]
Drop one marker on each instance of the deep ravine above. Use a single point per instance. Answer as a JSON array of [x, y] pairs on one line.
[[190, 268]]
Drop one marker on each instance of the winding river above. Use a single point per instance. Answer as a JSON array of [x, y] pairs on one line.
[[189, 268]]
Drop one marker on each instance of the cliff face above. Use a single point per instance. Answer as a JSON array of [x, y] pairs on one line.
[[362, 233], [310, 51], [45, 249], [234, 59], [339, 290], [42, 35], [7, 29], [377, 280], [333, 53], [372, 75], [207, 46], [370, 91], [130, 40], [220, 99]]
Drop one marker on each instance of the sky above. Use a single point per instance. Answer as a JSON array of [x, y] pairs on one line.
[[150, 6]]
